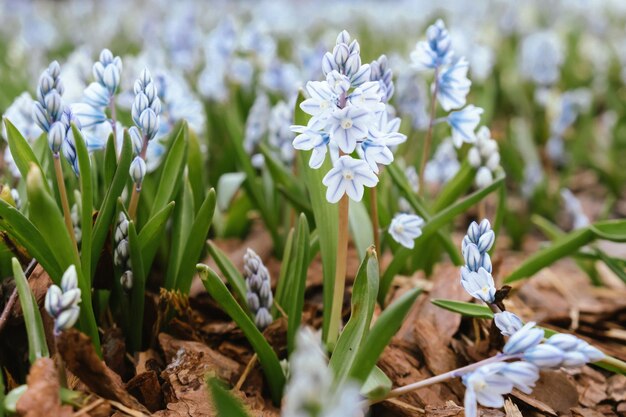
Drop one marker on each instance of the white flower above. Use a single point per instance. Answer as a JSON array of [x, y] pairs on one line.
[[453, 85], [323, 101], [349, 126], [479, 284], [463, 123], [312, 140], [348, 176], [405, 228], [508, 323], [485, 386]]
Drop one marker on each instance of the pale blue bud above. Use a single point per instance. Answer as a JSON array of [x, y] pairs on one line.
[[508, 323], [96, 95], [111, 78], [472, 257], [263, 318], [138, 171], [486, 241], [136, 139], [56, 136], [524, 339], [53, 300], [126, 280], [544, 356], [66, 319], [340, 55], [69, 281], [253, 301], [40, 116], [523, 375], [149, 122], [52, 101], [343, 37]]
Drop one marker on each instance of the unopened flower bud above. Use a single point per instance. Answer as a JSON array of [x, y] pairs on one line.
[[138, 171]]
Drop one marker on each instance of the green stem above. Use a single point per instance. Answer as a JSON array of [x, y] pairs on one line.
[[429, 133], [340, 272], [64, 201]]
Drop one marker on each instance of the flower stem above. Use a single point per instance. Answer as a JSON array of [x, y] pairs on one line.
[[429, 133], [340, 272], [375, 225], [64, 201], [441, 378]]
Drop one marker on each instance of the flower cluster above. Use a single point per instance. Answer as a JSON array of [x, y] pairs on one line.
[[61, 303], [451, 85], [476, 274], [49, 107], [121, 254], [484, 156], [405, 228], [348, 113], [487, 384], [259, 295], [310, 391]]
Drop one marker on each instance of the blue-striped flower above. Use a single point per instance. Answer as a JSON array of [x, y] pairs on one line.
[[463, 123], [453, 85], [348, 176], [435, 51], [405, 228]]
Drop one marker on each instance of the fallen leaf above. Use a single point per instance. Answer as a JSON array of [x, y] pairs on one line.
[[42, 396]]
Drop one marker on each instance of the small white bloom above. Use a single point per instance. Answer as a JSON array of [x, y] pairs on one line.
[[349, 126], [463, 123], [348, 176], [479, 284], [405, 228], [485, 386]]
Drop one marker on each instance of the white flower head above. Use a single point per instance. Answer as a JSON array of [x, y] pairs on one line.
[[463, 123], [405, 228], [348, 176], [479, 284]]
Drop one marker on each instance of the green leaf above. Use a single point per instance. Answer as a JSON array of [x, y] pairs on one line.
[[361, 227], [195, 242], [227, 187], [364, 294], [377, 384], [464, 308], [26, 234], [37, 347], [386, 326], [23, 154], [172, 168], [224, 402], [296, 283], [184, 214], [86, 192], [195, 167], [152, 233], [137, 295], [326, 218], [613, 230], [432, 227], [110, 160], [107, 209], [267, 357], [561, 247], [230, 272], [281, 297]]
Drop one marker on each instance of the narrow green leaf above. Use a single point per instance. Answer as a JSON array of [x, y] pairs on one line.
[[561, 247], [230, 272], [26, 234], [86, 192], [281, 296], [22, 152], [195, 167], [107, 209], [360, 227], [110, 160], [227, 187], [137, 295], [37, 347], [224, 402], [195, 242], [386, 326], [326, 218], [297, 281], [464, 308], [377, 384], [184, 215], [364, 294], [267, 357], [151, 235], [172, 168], [613, 230]]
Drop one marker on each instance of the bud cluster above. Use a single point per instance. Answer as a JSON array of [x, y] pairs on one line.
[[121, 253], [61, 303], [476, 274], [484, 156], [146, 107], [259, 295], [48, 107]]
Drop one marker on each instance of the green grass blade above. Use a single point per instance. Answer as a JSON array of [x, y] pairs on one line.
[[152, 233], [195, 243], [364, 294], [230, 272], [195, 167], [297, 281], [386, 326], [37, 347], [107, 209], [172, 168], [26, 234], [86, 192], [267, 357], [22, 152], [184, 215], [137, 295], [281, 296], [360, 228], [224, 402], [465, 309], [377, 384]]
